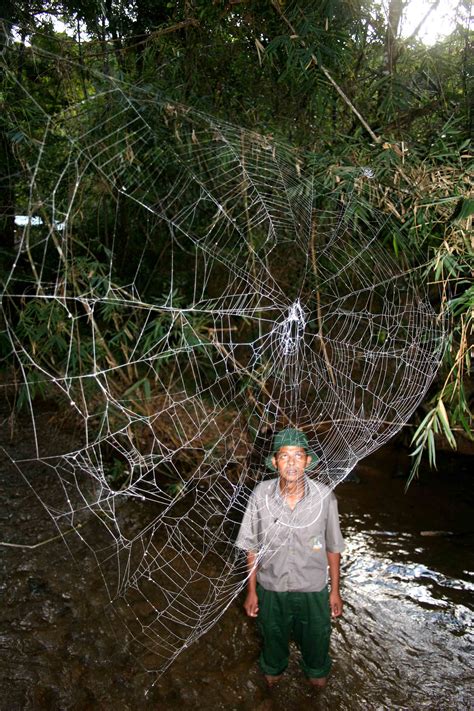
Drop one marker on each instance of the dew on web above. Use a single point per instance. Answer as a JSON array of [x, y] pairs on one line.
[[249, 302]]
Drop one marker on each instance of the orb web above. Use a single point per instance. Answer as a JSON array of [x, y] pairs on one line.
[[186, 288]]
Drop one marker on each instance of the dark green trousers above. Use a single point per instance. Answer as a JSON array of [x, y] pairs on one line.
[[304, 617]]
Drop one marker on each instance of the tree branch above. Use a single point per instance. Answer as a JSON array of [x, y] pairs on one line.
[[328, 76]]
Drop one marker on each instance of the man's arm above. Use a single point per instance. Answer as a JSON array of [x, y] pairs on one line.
[[335, 601], [251, 601]]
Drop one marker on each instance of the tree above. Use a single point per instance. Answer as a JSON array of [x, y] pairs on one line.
[[334, 78]]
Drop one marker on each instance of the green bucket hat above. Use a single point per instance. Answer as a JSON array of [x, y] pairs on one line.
[[291, 437]]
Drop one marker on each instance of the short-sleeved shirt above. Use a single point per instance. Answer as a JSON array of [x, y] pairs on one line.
[[291, 545]]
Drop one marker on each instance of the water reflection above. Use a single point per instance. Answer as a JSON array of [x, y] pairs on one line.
[[406, 638]]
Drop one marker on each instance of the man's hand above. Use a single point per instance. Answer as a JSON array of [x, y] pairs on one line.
[[335, 603], [251, 604]]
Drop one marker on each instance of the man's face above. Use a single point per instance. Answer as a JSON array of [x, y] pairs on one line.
[[291, 462]]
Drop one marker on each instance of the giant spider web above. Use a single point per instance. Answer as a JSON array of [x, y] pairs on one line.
[[186, 288]]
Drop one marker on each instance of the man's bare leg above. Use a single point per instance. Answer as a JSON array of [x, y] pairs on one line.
[[272, 680], [320, 683]]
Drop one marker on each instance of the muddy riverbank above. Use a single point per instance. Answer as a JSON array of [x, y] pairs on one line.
[[405, 640]]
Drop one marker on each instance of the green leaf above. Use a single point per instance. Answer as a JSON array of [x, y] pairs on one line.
[[423, 425], [431, 449], [465, 424], [143, 382], [395, 244], [443, 417], [463, 210]]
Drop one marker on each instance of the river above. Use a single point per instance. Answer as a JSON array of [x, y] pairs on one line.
[[405, 640]]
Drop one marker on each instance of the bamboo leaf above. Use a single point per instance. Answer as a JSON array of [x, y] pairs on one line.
[[443, 416], [423, 426], [431, 449], [135, 386], [463, 210]]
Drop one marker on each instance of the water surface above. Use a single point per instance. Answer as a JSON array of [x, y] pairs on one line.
[[405, 640]]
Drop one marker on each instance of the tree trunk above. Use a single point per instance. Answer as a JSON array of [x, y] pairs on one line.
[[7, 166], [395, 11], [7, 193]]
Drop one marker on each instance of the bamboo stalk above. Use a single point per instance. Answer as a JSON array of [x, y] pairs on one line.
[[328, 76], [41, 543], [318, 303]]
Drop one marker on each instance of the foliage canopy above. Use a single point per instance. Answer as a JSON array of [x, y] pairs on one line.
[[331, 76]]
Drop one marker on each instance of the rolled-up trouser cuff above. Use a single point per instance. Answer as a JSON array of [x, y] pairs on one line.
[[316, 673], [267, 669]]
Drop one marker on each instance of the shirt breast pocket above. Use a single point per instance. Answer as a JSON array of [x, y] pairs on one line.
[[316, 542]]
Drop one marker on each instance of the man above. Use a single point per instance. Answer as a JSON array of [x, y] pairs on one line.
[[290, 531]]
